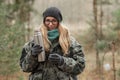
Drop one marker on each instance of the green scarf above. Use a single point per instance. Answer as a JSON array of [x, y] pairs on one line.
[[53, 34]]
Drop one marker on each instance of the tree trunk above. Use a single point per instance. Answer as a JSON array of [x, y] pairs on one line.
[[101, 19], [95, 11], [113, 54]]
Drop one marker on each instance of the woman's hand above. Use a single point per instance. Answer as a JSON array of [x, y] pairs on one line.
[[56, 59], [36, 49]]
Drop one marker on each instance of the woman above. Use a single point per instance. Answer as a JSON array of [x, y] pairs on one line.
[[64, 55]]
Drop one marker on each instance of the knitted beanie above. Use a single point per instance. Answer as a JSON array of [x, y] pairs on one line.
[[53, 12]]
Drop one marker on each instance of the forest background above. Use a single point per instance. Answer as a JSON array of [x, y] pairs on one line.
[[94, 23]]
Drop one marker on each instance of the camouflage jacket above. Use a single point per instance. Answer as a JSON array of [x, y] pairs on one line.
[[74, 63]]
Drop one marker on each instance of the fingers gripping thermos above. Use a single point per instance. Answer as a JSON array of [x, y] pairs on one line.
[[39, 41]]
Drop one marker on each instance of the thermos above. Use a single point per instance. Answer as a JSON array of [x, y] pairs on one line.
[[39, 40]]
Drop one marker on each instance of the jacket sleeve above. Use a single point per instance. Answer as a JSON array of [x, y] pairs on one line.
[[28, 62], [75, 63]]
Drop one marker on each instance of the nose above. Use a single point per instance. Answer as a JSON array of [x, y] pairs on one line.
[[50, 23]]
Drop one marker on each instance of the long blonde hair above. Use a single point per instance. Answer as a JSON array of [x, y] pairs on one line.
[[64, 38]]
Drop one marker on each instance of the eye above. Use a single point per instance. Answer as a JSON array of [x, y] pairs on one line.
[[54, 21], [48, 21]]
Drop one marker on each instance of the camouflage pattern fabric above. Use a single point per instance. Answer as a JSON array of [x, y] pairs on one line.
[[74, 63]]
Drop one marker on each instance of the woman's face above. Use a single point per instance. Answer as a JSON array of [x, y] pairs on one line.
[[51, 23]]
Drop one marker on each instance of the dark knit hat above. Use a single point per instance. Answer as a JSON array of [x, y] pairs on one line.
[[53, 12]]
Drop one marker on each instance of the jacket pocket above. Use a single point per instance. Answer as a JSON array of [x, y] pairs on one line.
[[36, 76], [63, 76]]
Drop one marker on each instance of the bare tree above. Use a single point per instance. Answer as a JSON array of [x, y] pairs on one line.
[[96, 26], [101, 19], [113, 54]]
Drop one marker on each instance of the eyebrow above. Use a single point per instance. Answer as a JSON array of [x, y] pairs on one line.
[[50, 19]]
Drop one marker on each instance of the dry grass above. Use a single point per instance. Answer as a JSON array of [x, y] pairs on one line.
[[17, 76], [91, 73]]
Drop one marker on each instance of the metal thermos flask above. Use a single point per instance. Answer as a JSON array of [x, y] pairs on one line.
[[39, 40]]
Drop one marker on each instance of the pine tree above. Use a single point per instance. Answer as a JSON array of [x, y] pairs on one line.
[[12, 33]]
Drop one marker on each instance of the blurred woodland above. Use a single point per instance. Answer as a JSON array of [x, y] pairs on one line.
[[94, 23]]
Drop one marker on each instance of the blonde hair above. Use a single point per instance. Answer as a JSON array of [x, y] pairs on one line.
[[64, 38]]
